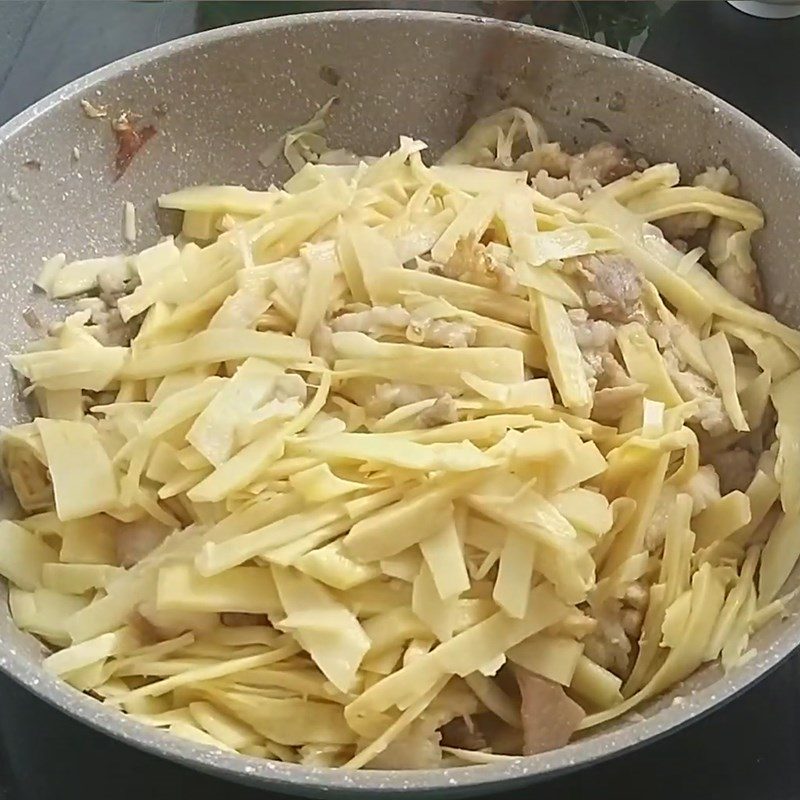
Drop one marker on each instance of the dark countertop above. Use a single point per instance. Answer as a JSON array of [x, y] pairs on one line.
[[747, 749]]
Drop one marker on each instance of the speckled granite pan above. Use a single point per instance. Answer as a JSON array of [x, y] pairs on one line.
[[219, 99]]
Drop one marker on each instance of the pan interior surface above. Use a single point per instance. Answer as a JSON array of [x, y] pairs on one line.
[[223, 97]]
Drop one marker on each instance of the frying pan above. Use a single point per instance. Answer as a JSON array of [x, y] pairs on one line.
[[218, 99]]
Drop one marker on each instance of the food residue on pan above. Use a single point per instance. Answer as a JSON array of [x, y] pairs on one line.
[[129, 221], [129, 140], [329, 75], [92, 111]]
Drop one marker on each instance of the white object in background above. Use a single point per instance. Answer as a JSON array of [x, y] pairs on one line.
[[768, 9]]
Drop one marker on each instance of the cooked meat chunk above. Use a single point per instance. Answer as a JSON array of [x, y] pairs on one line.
[[735, 467], [107, 325], [704, 488], [576, 625], [766, 462], [718, 179], [373, 321], [388, 396], [136, 539], [601, 164], [632, 619], [609, 645], [548, 158], [681, 227], [614, 374], [440, 332], [463, 733], [710, 413], [416, 748], [637, 595], [656, 529], [442, 411], [471, 263], [611, 403], [729, 252], [619, 619], [740, 282], [555, 172], [591, 334], [662, 332], [595, 339], [549, 716], [550, 186], [396, 321], [612, 285]]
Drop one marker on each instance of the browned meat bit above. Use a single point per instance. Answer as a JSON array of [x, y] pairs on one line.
[[612, 285], [471, 263], [418, 746], [129, 141], [601, 163], [462, 732], [554, 172], [549, 716]]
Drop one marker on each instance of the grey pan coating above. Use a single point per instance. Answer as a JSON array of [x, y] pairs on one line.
[[230, 92]]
